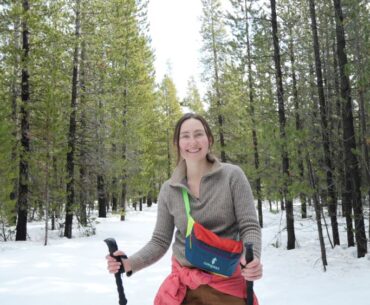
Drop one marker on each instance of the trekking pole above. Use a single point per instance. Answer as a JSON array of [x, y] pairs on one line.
[[112, 246], [248, 258]]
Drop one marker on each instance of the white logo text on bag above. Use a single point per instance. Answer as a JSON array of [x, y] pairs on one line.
[[212, 266]]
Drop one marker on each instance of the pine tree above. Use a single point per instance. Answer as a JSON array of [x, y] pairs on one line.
[[213, 34], [351, 162], [170, 107], [72, 127], [359, 28], [193, 100], [10, 55], [292, 25], [324, 128], [129, 86], [241, 20], [266, 119], [282, 121], [23, 188]]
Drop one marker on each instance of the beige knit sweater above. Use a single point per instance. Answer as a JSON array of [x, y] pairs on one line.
[[225, 206]]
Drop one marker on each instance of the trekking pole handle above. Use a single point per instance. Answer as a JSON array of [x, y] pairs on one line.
[[112, 247], [249, 252]]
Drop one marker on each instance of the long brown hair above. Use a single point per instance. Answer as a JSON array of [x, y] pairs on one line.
[[176, 134]]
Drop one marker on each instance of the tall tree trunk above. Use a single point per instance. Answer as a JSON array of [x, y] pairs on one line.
[[316, 201], [47, 193], [72, 132], [349, 138], [168, 150], [54, 208], [282, 123], [298, 121], [23, 191], [83, 154], [220, 118], [168, 153], [114, 185], [102, 199], [114, 195], [363, 115], [15, 95], [332, 204], [344, 179], [123, 199], [149, 201], [83, 189], [252, 114], [101, 184], [124, 158], [168, 137]]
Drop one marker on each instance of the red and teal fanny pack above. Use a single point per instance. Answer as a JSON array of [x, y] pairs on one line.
[[206, 250]]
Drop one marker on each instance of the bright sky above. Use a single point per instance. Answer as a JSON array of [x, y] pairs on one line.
[[175, 32]]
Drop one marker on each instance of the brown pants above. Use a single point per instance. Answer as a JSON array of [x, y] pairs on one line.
[[206, 295]]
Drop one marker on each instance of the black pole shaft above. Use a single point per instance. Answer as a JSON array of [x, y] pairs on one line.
[[248, 258], [120, 290], [112, 246]]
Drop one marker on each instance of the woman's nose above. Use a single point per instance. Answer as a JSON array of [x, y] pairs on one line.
[[193, 139]]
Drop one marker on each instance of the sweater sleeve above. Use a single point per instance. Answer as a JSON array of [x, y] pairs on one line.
[[245, 211], [161, 238]]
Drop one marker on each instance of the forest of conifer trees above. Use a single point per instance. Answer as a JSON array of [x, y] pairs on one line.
[[85, 126]]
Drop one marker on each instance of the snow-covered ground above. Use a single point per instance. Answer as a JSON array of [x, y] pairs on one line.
[[73, 272]]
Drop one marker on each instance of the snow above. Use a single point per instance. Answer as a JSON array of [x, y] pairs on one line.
[[74, 271]]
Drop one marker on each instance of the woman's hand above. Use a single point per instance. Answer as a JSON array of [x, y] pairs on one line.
[[253, 270], [114, 265]]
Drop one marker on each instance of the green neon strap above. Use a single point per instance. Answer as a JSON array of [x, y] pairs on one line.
[[185, 196]]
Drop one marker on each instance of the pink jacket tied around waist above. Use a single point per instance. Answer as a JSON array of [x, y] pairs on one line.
[[173, 289]]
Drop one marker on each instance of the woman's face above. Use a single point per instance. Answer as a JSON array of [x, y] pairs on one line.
[[193, 140]]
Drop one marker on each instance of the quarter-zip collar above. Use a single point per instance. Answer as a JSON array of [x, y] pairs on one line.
[[178, 178]]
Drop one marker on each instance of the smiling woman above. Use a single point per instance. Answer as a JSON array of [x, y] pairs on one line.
[[174, 29], [222, 208]]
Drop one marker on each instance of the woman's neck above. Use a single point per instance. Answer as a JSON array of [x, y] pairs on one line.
[[196, 170]]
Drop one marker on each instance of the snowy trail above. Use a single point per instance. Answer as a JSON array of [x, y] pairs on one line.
[[74, 271]]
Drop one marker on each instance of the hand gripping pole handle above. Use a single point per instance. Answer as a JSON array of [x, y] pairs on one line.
[[112, 247]]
